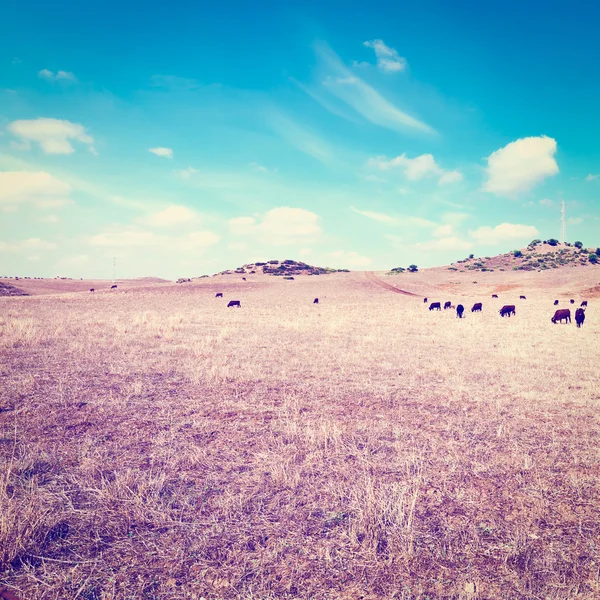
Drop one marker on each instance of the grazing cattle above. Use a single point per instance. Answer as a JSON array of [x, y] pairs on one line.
[[556, 303], [92, 290], [579, 317], [425, 300], [584, 303], [563, 313], [234, 303], [460, 309], [508, 309], [494, 295], [316, 301], [572, 301], [435, 306], [522, 298], [219, 295], [447, 304], [243, 279], [476, 307], [113, 287]]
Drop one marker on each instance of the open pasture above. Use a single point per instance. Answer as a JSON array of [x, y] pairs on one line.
[[156, 444]]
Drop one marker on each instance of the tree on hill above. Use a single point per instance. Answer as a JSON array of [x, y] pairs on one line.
[[593, 258], [553, 242], [517, 253], [413, 269], [578, 245], [598, 251]]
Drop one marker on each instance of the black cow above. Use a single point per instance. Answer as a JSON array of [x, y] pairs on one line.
[[556, 303], [572, 301], [425, 300], [113, 287], [460, 309], [435, 306], [243, 279], [562, 313], [507, 310], [219, 295], [447, 304], [477, 307], [522, 298], [494, 295], [92, 290], [316, 301], [584, 303], [234, 303], [579, 317]]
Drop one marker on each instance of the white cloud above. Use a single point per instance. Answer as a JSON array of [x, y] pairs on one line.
[[29, 245], [363, 98], [53, 135], [237, 246], [450, 177], [58, 76], [32, 187], [120, 239], [164, 152], [172, 215], [416, 168], [375, 216], [546, 202], [350, 259], [341, 80], [388, 58], [443, 231], [591, 177], [503, 232], [185, 173], [304, 251], [279, 226], [50, 219], [574, 220], [520, 165]]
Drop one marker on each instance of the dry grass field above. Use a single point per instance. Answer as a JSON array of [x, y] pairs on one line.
[[157, 445]]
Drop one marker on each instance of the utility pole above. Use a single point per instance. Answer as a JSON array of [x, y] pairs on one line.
[[563, 223]]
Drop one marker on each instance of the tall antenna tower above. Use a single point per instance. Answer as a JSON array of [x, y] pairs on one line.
[[115, 267], [563, 223]]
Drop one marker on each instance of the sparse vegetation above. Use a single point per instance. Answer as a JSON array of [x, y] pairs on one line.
[[413, 269]]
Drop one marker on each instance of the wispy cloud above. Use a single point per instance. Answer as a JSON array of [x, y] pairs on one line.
[[416, 168], [37, 188], [185, 173], [591, 177], [375, 216], [300, 137], [401, 220], [388, 58], [163, 152], [58, 76], [503, 233], [53, 135], [361, 97]]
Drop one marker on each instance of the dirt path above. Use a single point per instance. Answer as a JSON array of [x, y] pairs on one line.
[[372, 277]]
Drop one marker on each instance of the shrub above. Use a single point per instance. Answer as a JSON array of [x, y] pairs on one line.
[[517, 254], [553, 242], [398, 270], [597, 251], [471, 256], [578, 245], [593, 258], [535, 242], [260, 264], [273, 262], [413, 268]]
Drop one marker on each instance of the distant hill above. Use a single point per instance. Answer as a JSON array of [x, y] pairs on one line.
[[282, 268], [537, 256]]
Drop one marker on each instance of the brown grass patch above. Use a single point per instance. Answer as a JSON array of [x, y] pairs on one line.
[[156, 444]]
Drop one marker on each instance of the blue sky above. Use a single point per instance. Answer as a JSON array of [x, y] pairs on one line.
[[186, 138]]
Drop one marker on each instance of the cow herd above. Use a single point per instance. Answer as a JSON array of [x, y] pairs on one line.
[[508, 310]]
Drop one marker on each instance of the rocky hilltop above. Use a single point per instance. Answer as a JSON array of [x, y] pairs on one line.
[[284, 268], [537, 256]]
